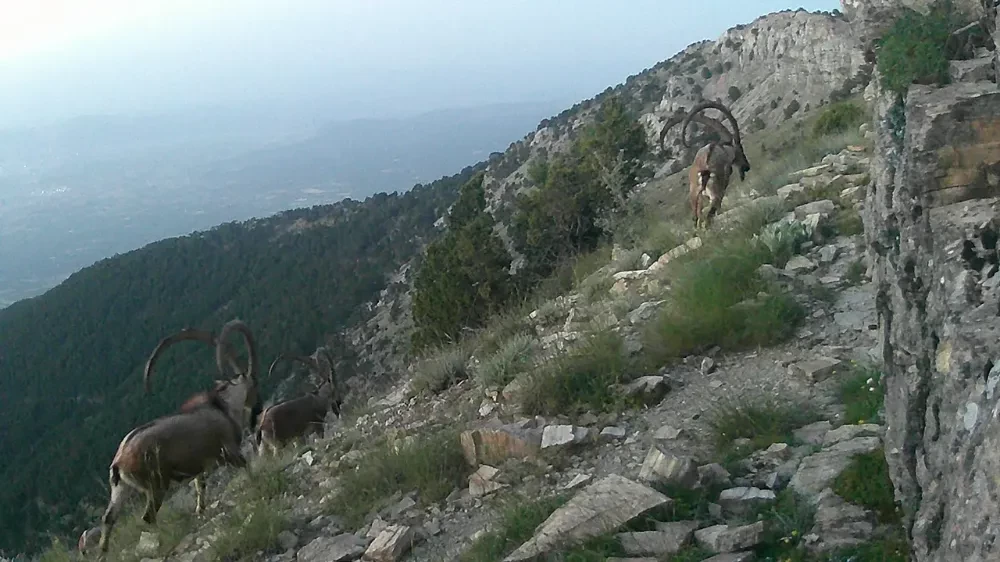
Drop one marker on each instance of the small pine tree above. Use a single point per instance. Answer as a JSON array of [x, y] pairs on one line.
[[464, 277]]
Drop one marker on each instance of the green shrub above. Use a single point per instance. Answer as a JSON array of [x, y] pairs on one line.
[[249, 528], [716, 300], [253, 524], [915, 48], [583, 379], [764, 420], [784, 240], [734, 93], [837, 118], [786, 523], [706, 72], [855, 272], [866, 482], [432, 464], [862, 395], [441, 369], [513, 358], [847, 222], [517, 524]]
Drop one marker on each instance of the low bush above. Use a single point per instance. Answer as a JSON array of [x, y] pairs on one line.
[[442, 368], [838, 118], [517, 523], [862, 394], [915, 49], [866, 482], [719, 299], [432, 464], [763, 420], [583, 379], [513, 358]]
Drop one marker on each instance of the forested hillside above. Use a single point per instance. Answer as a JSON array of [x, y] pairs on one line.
[[71, 359]]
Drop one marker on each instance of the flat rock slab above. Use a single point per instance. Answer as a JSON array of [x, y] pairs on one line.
[[732, 557], [818, 471], [726, 538], [599, 508], [391, 544], [666, 540], [818, 369], [342, 547]]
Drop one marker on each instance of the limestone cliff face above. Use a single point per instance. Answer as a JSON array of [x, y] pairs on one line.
[[932, 224]]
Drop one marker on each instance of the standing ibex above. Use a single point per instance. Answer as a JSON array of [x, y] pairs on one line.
[[183, 446], [713, 163], [302, 416]]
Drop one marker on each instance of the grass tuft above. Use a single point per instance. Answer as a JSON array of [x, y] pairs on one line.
[[253, 524], [862, 395], [718, 299], [866, 482], [583, 379], [838, 118], [441, 369], [763, 420], [517, 524], [513, 358], [432, 464], [786, 522]]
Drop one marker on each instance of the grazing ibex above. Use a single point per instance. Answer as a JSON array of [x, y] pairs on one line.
[[182, 446], [302, 416], [713, 163]]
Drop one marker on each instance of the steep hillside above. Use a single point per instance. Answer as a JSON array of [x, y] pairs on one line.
[[71, 359], [780, 67]]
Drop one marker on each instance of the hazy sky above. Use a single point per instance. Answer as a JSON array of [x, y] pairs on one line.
[[62, 58]]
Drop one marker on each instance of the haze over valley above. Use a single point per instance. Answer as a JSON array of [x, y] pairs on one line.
[[75, 193]]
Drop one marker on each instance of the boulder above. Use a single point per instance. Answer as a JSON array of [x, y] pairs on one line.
[[600, 508]]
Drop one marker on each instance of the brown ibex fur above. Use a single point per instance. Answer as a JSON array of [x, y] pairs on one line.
[[713, 164], [182, 446], [302, 416]]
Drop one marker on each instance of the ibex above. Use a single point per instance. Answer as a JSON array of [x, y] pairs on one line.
[[713, 163], [182, 446], [302, 416]]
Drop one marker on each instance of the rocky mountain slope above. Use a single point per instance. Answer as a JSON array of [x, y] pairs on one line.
[[780, 67], [464, 475], [770, 442]]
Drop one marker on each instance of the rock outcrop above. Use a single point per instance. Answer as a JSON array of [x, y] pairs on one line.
[[932, 226]]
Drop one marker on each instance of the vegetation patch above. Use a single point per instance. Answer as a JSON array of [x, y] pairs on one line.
[[517, 524], [252, 525], [892, 548], [719, 299], [838, 118], [762, 420], [431, 464], [513, 358], [866, 482], [862, 394], [855, 274], [915, 49], [786, 522], [441, 369], [584, 379]]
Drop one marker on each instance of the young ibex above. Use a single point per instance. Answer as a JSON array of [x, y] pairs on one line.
[[302, 416], [182, 446], [714, 162]]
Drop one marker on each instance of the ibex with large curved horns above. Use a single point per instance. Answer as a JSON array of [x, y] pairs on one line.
[[713, 163], [182, 446], [302, 416]]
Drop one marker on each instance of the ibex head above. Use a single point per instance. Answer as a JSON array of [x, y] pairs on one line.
[[730, 137], [240, 393]]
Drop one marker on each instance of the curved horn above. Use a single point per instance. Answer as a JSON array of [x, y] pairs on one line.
[[725, 111], [186, 334], [252, 359], [307, 360]]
